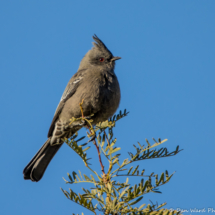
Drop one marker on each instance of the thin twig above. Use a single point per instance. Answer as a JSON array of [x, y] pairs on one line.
[[100, 160]]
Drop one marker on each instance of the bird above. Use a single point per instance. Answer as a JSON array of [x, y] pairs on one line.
[[95, 84]]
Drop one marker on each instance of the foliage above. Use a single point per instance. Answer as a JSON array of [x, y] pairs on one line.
[[113, 197]]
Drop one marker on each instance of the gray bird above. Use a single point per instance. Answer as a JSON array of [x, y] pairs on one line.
[[96, 84]]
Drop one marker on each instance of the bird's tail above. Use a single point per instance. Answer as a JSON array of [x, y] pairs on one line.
[[38, 164]]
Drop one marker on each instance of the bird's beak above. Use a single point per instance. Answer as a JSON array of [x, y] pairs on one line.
[[115, 58]]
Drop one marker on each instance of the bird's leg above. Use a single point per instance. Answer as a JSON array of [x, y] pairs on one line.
[[82, 118], [82, 113], [80, 104], [87, 122]]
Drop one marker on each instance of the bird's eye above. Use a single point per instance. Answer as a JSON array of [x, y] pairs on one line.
[[101, 59]]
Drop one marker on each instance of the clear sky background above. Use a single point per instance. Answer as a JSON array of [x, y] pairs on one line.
[[166, 74]]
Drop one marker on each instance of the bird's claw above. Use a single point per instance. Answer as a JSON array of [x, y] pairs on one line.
[[83, 123], [87, 117]]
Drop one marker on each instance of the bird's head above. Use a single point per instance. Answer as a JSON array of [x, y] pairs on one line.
[[100, 56]]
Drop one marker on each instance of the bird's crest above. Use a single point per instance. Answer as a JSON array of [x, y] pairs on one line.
[[99, 44]]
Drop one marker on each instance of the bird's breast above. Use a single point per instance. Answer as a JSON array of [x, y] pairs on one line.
[[105, 96], [100, 94]]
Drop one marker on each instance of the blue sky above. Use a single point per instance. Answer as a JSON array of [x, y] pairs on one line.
[[166, 76]]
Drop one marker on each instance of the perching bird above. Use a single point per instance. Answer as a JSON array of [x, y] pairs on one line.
[[96, 84]]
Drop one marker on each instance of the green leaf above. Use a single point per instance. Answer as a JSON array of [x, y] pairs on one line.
[[70, 178], [86, 178], [130, 170], [80, 139], [113, 142], [114, 150], [136, 201], [141, 206], [123, 193], [135, 170], [86, 149]]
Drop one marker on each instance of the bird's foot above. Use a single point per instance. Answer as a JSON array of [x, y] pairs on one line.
[[83, 123]]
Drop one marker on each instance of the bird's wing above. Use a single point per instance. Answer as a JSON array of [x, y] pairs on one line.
[[68, 92]]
